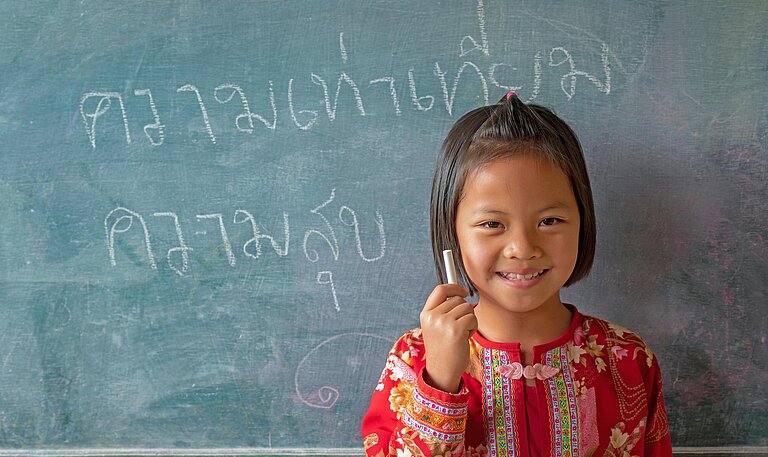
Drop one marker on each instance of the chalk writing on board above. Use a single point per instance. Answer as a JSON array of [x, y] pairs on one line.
[[326, 278], [333, 243], [119, 221], [156, 125], [444, 86], [203, 111], [483, 45], [122, 221], [255, 240], [325, 357], [343, 48], [353, 222], [102, 106], [561, 64], [224, 236], [571, 76], [247, 115], [182, 248]]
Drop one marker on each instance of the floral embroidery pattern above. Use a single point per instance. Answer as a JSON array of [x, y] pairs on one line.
[[399, 398], [622, 443], [632, 339], [408, 447], [479, 451], [371, 440], [401, 370], [580, 385], [579, 351]]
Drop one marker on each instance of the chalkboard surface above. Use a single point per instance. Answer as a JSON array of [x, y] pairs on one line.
[[213, 214]]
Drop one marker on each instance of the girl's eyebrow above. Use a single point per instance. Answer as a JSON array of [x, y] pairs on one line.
[[490, 210], [554, 205]]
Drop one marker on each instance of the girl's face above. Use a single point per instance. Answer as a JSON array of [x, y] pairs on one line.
[[518, 229]]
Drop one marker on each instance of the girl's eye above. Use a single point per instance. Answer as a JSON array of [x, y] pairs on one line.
[[549, 221], [492, 224]]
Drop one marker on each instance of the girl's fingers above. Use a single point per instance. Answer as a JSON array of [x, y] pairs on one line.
[[454, 315], [468, 322], [448, 305], [459, 310], [442, 293]]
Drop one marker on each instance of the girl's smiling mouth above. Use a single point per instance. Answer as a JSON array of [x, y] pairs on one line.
[[522, 278]]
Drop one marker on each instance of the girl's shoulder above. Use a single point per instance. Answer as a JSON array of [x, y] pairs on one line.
[[601, 338]]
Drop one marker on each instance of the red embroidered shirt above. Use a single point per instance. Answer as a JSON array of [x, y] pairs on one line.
[[604, 398]]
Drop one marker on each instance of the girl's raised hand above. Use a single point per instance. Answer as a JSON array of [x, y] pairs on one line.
[[447, 323]]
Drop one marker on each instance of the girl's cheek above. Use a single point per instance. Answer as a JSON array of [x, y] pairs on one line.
[[476, 260]]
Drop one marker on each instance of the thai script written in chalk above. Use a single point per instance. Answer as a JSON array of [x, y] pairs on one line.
[[321, 240], [436, 92]]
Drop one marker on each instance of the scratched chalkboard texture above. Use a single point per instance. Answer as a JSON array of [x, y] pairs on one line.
[[213, 214]]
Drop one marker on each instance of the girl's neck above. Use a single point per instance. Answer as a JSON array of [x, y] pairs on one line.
[[541, 325]]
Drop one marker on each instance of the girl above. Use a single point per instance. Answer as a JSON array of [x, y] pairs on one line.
[[520, 373]]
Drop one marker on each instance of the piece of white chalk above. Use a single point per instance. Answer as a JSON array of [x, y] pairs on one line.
[[450, 266]]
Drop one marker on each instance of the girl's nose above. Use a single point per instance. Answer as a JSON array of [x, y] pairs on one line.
[[522, 245]]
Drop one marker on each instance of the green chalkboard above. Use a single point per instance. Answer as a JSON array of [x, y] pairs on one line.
[[213, 214]]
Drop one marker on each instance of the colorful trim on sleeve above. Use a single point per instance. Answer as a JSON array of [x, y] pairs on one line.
[[437, 418]]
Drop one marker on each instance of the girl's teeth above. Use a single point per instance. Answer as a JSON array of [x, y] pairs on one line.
[[517, 277]]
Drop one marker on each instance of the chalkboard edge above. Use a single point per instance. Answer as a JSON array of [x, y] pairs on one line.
[[279, 452]]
